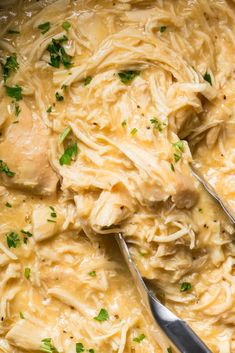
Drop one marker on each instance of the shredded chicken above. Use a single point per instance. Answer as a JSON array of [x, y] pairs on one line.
[[104, 105]]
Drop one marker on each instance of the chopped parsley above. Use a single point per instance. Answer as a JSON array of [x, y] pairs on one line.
[[66, 25], [51, 221], [185, 286], [11, 65], [156, 124], [58, 54], [49, 110], [128, 76], [207, 77], [44, 27], [7, 204], [179, 147], [5, 169], [70, 152], [176, 157], [124, 123], [169, 350], [27, 272], [139, 338], [26, 235], [92, 273], [22, 315], [59, 97], [53, 213], [200, 210], [134, 131], [162, 29], [87, 80], [102, 316], [14, 92], [172, 167], [17, 110], [91, 350], [13, 240], [64, 134], [48, 346], [13, 31], [79, 347]]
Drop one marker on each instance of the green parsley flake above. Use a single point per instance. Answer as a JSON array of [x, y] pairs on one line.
[[44, 27], [7, 204], [87, 80], [179, 145], [177, 157], [64, 134], [185, 286], [13, 31], [66, 25], [27, 272], [14, 92], [124, 123], [134, 131], [26, 233], [58, 54], [92, 273], [70, 152], [128, 76], [79, 347], [49, 110], [156, 124], [172, 167], [22, 315], [13, 240], [17, 110], [5, 169], [91, 350], [58, 97], [200, 210], [51, 221], [48, 346], [139, 338], [102, 316], [207, 77], [169, 350], [53, 213], [162, 29], [11, 65]]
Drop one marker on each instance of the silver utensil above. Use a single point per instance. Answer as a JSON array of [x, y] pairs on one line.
[[179, 333], [225, 206]]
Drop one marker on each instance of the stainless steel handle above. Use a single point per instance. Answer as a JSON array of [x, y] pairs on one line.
[[178, 331]]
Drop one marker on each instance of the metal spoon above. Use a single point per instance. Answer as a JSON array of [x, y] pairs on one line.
[[179, 333]]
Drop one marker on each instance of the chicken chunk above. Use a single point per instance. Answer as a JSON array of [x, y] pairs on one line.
[[24, 152], [26, 335]]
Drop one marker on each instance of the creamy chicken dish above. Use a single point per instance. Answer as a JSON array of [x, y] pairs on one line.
[[103, 107]]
